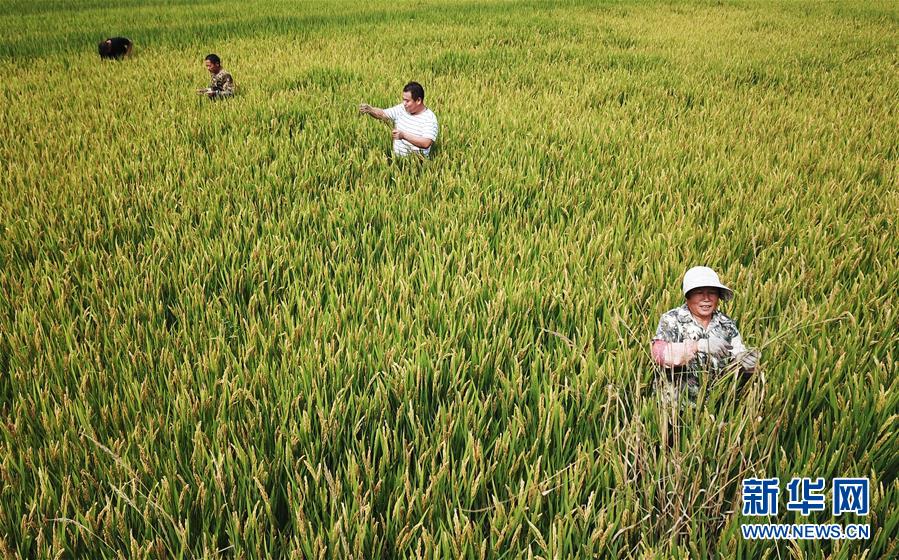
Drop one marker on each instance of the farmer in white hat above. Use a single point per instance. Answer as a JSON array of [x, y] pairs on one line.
[[696, 337]]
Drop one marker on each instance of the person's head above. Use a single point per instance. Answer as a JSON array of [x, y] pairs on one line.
[[413, 98], [703, 290], [114, 47], [213, 63]]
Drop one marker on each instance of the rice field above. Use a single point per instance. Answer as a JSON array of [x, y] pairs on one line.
[[233, 330]]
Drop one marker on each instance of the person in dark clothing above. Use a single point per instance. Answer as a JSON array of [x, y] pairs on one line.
[[221, 84], [115, 48]]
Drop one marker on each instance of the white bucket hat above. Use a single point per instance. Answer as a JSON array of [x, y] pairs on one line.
[[705, 277]]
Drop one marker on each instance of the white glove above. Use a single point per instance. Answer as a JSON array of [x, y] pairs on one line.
[[713, 346], [749, 360]]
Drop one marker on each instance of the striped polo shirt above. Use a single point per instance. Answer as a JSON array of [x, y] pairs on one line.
[[422, 124]]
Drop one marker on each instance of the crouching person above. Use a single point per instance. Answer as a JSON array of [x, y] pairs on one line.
[[697, 339], [115, 48]]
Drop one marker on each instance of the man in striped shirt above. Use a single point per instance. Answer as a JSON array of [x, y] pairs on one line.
[[414, 125]]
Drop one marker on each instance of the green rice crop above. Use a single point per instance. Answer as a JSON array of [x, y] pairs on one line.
[[233, 330]]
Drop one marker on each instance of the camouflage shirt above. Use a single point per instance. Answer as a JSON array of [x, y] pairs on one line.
[[222, 84], [679, 325]]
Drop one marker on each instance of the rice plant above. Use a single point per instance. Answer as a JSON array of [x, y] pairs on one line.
[[232, 329]]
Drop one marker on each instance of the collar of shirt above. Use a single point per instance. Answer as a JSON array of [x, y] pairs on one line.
[[686, 317]]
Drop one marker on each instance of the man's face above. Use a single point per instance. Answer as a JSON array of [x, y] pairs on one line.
[[702, 302], [412, 107], [212, 67]]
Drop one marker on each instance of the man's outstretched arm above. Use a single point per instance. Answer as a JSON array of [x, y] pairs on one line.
[[366, 109]]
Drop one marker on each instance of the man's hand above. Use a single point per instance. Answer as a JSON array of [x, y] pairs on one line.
[[749, 360], [713, 346], [365, 109], [398, 134], [204, 91]]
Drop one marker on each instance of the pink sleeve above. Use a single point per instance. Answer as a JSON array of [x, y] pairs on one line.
[[658, 351], [669, 354]]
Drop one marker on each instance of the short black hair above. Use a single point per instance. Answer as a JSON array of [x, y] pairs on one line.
[[213, 58], [416, 90]]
